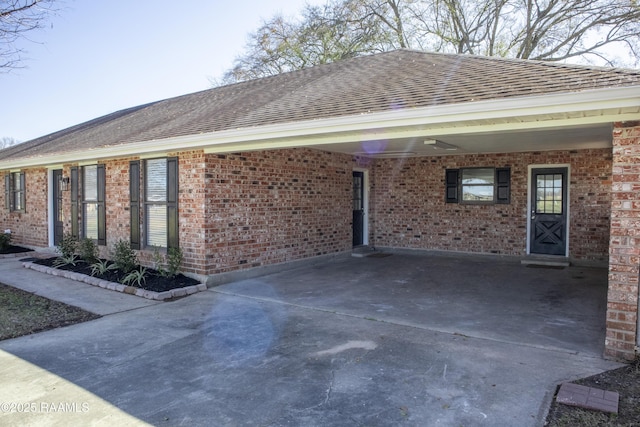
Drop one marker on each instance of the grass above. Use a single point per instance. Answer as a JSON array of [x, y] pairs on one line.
[[24, 313]]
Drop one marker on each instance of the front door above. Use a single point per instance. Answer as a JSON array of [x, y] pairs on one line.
[[358, 208], [58, 218], [549, 211]]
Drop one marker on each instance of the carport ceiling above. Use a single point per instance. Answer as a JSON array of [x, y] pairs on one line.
[[566, 138]]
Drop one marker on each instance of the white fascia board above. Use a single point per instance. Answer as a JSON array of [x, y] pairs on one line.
[[372, 125]]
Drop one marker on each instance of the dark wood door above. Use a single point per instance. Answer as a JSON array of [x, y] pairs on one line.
[[58, 217], [358, 208], [549, 211]]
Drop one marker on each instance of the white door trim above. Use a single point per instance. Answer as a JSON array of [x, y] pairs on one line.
[[530, 207], [365, 202]]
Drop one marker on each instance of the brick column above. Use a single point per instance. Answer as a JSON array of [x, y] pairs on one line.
[[624, 244]]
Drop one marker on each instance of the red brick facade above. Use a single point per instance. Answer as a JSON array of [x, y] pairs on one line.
[[29, 227], [270, 207], [624, 247], [409, 210], [245, 210]]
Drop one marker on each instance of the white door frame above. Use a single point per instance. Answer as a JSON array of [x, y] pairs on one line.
[[365, 202], [530, 196]]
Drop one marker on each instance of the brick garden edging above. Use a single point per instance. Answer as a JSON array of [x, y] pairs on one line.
[[118, 287]]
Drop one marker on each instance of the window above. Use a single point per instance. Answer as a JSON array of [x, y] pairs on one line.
[[156, 202], [161, 202], [93, 203], [14, 191], [478, 185]]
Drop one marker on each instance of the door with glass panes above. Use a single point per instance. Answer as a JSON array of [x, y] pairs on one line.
[[548, 211]]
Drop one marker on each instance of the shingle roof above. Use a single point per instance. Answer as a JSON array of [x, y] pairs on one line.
[[388, 81]]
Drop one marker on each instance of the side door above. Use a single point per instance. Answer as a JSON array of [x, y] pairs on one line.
[[548, 211], [58, 217], [358, 208]]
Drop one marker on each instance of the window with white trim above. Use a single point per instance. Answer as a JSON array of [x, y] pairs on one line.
[[14, 191], [483, 185], [161, 202]]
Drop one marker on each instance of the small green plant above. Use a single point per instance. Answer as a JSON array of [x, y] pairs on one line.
[[67, 246], [136, 278], [158, 263], [88, 250], [124, 257], [100, 267], [168, 265], [174, 261], [62, 260], [5, 241]]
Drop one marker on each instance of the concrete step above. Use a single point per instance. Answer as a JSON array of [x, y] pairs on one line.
[[546, 260]]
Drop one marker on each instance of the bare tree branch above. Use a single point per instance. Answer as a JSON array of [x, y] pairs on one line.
[[17, 18]]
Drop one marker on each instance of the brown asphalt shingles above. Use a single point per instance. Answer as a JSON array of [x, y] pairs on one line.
[[401, 79]]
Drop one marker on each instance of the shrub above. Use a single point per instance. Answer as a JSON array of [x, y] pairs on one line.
[[100, 267], [67, 246], [136, 278], [5, 241], [168, 265], [174, 261], [63, 260], [88, 250], [124, 257]]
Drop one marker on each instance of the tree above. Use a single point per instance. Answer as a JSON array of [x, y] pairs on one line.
[[6, 141], [17, 18], [549, 30], [338, 30]]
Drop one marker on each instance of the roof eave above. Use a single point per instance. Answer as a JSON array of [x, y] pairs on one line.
[[489, 115]]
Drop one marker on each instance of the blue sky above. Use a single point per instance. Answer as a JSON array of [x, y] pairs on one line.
[[96, 57]]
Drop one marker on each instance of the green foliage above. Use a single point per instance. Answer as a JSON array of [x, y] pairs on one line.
[[88, 250], [136, 278], [124, 257], [67, 246], [168, 265], [63, 260], [100, 267], [5, 241], [174, 261]]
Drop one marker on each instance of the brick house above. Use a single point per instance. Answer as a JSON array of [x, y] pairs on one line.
[[402, 149]]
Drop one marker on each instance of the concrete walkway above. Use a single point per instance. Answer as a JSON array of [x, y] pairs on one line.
[[286, 349]]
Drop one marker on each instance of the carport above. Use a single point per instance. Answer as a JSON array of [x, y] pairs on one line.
[[487, 297]]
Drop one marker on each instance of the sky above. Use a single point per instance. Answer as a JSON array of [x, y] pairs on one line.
[[97, 57]]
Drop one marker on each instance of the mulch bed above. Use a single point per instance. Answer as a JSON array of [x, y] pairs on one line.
[[154, 280], [625, 380], [14, 250]]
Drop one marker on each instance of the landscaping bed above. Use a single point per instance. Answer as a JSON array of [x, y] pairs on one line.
[[625, 380], [153, 281], [11, 249]]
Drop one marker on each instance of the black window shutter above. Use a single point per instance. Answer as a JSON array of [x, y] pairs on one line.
[[102, 215], [134, 203], [23, 192], [74, 203], [451, 184], [503, 185], [7, 191], [172, 203]]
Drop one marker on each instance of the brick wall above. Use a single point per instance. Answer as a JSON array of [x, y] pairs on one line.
[[624, 259], [409, 210], [30, 227], [275, 206]]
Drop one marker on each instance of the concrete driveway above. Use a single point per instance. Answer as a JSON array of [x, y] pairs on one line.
[[399, 340]]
